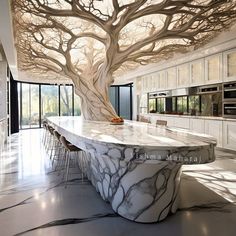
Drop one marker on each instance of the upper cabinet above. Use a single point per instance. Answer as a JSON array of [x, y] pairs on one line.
[[171, 78], [229, 65], [162, 80], [183, 75], [213, 69], [209, 70], [197, 72]]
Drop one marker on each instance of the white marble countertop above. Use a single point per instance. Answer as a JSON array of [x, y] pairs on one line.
[[191, 117], [2, 119], [132, 133]]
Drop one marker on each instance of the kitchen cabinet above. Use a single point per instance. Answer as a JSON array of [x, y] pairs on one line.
[[213, 69], [183, 75], [197, 125], [229, 65], [171, 78], [229, 134], [162, 79], [197, 72], [214, 128], [181, 122]]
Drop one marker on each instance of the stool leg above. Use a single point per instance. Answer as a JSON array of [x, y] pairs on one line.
[[67, 167]]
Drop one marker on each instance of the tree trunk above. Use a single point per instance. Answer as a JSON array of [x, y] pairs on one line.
[[95, 104]]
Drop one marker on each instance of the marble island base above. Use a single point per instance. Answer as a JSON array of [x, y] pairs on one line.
[[141, 191]]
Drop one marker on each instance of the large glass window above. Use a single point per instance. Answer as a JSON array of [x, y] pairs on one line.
[[114, 97], [29, 104], [66, 108], [194, 104], [125, 101], [77, 105], [49, 101], [38, 101], [161, 105], [182, 105], [152, 105], [121, 100]]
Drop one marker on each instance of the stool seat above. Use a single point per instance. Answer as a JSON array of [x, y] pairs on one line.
[[67, 145]]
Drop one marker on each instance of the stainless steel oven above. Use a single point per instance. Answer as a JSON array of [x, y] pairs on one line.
[[229, 109], [229, 91]]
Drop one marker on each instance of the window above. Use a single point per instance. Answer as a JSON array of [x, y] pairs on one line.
[[125, 102], [194, 104], [182, 104], [161, 105], [152, 105], [66, 108], [38, 101], [121, 99], [49, 101], [29, 104], [77, 105]]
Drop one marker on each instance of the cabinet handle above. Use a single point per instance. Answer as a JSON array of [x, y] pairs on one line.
[[230, 107]]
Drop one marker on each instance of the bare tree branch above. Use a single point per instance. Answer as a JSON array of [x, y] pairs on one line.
[[89, 42]]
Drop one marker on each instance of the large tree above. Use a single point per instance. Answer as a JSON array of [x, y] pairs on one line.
[[91, 41]]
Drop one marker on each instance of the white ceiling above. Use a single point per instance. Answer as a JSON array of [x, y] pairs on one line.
[[6, 36]]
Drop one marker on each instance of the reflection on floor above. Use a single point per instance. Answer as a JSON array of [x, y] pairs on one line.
[[33, 200]]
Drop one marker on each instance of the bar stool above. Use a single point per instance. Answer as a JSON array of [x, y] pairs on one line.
[[69, 149], [161, 122], [57, 147], [144, 119], [49, 143], [45, 123]]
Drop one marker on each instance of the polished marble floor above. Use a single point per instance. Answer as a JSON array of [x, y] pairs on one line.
[[34, 200]]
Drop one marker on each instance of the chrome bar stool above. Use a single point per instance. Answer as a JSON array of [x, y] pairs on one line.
[[45, 123], [69, 149], [49, 143], [161, 122], [57, 150]]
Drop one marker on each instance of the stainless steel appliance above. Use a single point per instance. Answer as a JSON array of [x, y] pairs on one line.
[[229, 109], [229, 91], [215, 88], [229, 100]]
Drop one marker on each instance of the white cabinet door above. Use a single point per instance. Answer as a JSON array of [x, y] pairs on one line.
[[229, 65], [213, 69], [162, 79], [229, 135], [181, 122], [197, 125], [170, 121], [183, 75], [197, 72], [214, 128], [171, 78]]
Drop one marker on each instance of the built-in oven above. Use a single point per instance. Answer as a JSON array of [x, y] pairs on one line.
[[229, 91], [229, 109]]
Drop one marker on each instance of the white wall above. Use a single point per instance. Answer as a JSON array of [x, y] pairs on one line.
[[3, 102]]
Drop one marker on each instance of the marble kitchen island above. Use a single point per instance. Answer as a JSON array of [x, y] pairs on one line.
[[136, 166]]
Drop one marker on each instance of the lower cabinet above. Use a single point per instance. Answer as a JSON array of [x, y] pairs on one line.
[[3, 132], [229, 134], [182, 122], [214, 128], [197, 125], [223, 131]]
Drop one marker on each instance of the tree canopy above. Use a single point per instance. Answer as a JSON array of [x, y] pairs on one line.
[[91, 41]]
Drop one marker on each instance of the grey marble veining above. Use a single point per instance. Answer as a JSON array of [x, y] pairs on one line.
[[207, 198]]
